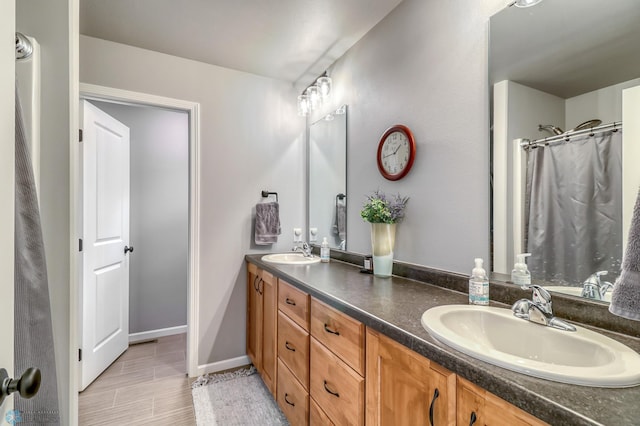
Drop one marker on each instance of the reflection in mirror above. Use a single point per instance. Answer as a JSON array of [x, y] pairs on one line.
[[565, 196], [328, 179]]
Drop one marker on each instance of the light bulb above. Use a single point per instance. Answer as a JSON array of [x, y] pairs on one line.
[[303, 105], [314, 97], [324, 85]]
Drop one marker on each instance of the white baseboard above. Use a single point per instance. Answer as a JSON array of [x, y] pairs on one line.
[[154, 334], [223, 365]]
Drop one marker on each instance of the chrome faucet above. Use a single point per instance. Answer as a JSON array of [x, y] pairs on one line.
[[305, 249], [594, 288], [539, 310]]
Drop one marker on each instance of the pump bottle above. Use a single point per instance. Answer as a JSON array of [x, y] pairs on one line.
[[479, 285], [324, 250], [520, 274]]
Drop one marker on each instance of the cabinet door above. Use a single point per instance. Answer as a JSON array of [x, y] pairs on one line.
[[478, 407], [254, 316], [269, 290], [404, 388]]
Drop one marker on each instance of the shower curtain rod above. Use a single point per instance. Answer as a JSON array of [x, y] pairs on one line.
[[24, 49], [565, 137]]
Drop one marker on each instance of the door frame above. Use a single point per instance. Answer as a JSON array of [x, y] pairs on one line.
[[109, 94]]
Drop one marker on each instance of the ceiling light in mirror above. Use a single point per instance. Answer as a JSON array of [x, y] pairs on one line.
[[525, 3]]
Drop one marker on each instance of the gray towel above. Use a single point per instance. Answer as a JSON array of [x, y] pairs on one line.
[[33, 329], [267, 223], [340, 225], [625, 299]]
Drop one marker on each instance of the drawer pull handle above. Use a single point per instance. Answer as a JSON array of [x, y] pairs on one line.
[[286, 345], [436, 394], [473, 418], [328, 330], [259, 282], [336, 394], [290, 302], [255, 285], [286, 399]]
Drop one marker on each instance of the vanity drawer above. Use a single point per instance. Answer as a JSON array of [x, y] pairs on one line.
[[292, 398], [293, 348], [340, 333], [294, 303], [338, 390], [317, 417]]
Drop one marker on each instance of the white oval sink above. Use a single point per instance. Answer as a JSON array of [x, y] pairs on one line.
[[494, 335], [290, 259], [575, 291]]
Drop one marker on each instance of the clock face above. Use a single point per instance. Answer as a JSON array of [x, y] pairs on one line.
[[396, 152]]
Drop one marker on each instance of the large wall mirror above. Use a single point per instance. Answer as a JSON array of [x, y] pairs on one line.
[[327, 206], [566, 96]]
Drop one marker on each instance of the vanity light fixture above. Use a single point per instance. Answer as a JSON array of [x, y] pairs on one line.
[[314, 95], [525, 3]]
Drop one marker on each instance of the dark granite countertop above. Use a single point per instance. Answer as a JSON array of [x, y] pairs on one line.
[[394, 306]]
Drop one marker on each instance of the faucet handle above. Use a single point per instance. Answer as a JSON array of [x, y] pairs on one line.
[[541, 297]]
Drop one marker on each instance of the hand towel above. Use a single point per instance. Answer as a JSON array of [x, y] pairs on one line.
[[625, 299], [267, 223], [340, 225]]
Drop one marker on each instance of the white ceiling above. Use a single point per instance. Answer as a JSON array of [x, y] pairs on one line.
[[567, 47], [292, 40]]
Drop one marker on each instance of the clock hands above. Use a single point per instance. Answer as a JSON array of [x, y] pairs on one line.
[[394, 152]]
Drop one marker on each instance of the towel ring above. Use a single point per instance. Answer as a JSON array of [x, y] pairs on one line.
[[265, 194]]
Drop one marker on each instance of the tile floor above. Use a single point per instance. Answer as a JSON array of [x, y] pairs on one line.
[[146, 385]]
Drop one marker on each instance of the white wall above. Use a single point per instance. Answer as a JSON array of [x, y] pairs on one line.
[[252, 139], [425, 66], [50, 23], [604, 104], [7, 187], [159, 215]]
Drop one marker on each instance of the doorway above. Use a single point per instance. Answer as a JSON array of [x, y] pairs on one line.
[[142, 325]]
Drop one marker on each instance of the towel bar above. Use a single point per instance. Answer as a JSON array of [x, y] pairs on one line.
[[266, 194]]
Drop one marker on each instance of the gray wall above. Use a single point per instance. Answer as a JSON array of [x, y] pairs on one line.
[[251, 139], [425, 66], [159, 215], [49, 22]]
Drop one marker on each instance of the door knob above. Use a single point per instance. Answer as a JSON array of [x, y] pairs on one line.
[[27, 385], [128, 249]]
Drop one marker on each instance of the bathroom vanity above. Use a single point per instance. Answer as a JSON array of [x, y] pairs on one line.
[[348, 344]]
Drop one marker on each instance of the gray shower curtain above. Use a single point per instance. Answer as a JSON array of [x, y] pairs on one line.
[[33, 328], [574, 209]]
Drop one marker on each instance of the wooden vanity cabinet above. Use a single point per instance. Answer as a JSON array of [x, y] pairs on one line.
[[478, 407], [336, 382], [293, 353], [405, 388], [315, 360], [261, 323]]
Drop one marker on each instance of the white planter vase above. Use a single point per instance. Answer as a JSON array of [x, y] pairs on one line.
[[383, 238]]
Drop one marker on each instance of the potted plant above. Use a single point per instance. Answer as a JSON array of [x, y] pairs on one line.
[[383, 213]]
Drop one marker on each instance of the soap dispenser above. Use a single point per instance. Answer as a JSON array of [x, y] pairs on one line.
[[520, 274], [324, 250], [478, 285]]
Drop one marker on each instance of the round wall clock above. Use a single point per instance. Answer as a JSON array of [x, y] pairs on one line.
[[396, 152]]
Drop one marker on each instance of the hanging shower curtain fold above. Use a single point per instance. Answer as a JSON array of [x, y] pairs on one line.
[[573, 208], [33, 331]]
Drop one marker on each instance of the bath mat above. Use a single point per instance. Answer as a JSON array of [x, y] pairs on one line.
[[236, 398]]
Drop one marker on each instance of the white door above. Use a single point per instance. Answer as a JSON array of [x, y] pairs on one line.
[[105, 264]]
